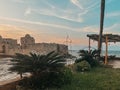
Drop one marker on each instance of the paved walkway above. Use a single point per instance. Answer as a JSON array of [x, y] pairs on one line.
[[115, 63]]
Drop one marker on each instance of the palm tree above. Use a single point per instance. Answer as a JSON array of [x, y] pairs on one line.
[[37, 64], [101, 25]]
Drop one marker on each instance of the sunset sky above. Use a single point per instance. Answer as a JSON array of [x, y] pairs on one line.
[[53, 20]]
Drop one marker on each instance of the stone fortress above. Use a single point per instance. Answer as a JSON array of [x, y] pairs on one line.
[[9, 46]]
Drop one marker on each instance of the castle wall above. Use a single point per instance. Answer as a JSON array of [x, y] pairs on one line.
[[42, 48], [1, 47], [9, 46], [63, 49]]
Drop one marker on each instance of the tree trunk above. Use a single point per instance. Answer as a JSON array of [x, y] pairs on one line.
[[21, 75]]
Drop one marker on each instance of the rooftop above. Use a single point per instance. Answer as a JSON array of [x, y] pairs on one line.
[[111, 37]]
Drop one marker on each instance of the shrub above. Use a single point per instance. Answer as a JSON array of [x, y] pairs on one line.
[[82, 66], [48, 80], [67, 76], [78, 60]]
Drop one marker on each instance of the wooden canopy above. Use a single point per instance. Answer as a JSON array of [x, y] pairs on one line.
[[105, 39], [111, 37]]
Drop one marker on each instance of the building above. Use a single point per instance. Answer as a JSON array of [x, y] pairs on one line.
[[27, 44], [27, 40]]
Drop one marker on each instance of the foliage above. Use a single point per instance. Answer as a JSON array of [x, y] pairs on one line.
[[37, 64], [82, 66], [48, 80], [97, 79], [46, 70], [89, 56]]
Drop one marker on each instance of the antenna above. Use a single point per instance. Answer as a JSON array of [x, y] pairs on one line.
[[68, 42]]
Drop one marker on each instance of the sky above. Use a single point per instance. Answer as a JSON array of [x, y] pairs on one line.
[[53, 21]]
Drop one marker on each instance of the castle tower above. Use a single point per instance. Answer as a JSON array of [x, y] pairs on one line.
[[27, 40]]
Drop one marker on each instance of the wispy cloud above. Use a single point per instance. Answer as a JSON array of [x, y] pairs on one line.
[[81, 4], [37, 23], [113, 29], [70, 13], [19, 1], [10, 31], [62, 14], [113, 14], [28, 11], [76, 2], [68, 28]]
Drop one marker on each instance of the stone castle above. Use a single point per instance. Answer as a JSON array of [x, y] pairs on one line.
[[9, 46]]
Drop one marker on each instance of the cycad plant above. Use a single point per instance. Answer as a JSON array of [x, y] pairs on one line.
[[46, 70], [89, 56], [37, 64]]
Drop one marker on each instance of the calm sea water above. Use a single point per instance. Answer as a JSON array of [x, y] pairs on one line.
[[110, 52]]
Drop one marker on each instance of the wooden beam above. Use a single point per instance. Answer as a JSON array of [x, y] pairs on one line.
[[106, 51], [89, 45]]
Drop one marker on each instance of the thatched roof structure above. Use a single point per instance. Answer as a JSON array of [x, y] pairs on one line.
[[111, 37]]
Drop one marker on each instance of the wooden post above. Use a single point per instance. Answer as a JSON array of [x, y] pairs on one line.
[[89, 45], [106, 52]]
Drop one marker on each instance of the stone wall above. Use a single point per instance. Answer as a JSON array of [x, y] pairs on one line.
[[10, 46], [42, 48], [27, 40]]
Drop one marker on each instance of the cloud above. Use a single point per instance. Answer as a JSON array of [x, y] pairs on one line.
[[86, 5], [113, 14], [58, 13], [113, 29], [37, 23], [76, 3], [19, 1], [28, 11], [10, 31], [86, 29], [70, 13], [91, 29]]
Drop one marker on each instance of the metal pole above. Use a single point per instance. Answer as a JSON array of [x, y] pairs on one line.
[[101, 25]]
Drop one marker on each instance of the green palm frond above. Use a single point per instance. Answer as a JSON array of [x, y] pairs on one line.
[[35, 63]]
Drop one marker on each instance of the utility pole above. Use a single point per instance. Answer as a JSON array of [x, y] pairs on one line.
[[101, 25]]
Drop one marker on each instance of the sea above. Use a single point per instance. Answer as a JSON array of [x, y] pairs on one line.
[[110, 52], [7, 75]]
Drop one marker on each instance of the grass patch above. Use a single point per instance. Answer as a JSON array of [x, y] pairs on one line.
[[100, 78]]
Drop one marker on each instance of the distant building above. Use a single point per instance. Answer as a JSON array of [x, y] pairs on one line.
[[27, 44], [27, 40]]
